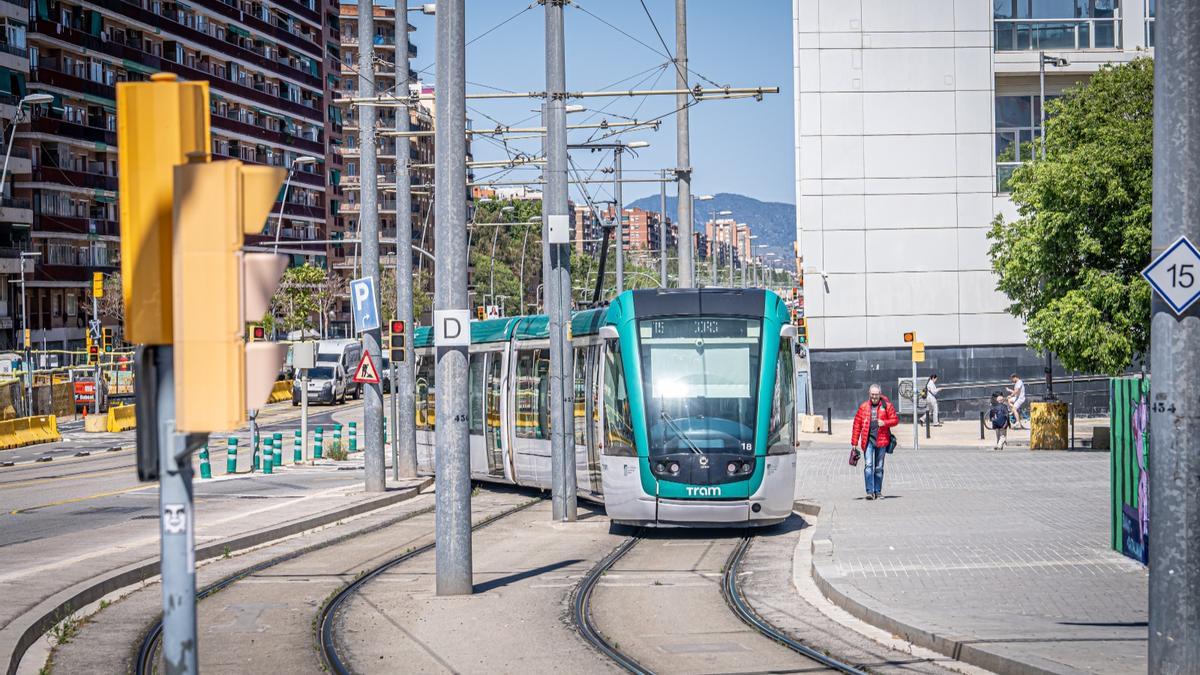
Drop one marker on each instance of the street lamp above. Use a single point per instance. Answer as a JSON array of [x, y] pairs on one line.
[[492, 260], [302, 160], [1057, 62], [30, 100], [25, 327]]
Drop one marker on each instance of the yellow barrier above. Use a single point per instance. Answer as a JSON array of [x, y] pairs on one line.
[[23, 431], [282, 391], [121, 418]]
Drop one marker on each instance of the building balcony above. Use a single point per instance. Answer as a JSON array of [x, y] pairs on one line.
[[1057, 34], [68, 224], [96, 181], [71, 273], [277, 137], [16, 211], [59, 127]]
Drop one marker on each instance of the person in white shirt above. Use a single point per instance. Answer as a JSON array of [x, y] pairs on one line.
[[931, 392], [1016, 397]]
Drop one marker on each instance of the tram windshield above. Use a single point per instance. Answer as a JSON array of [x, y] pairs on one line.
[[700, 376]]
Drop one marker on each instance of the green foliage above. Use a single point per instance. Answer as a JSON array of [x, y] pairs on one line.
[[297, 303], [335, 450], [1071, 262]]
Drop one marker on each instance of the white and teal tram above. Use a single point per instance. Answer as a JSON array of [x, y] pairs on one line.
[[684, 405]]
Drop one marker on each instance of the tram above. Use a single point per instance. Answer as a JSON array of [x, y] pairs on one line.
[[684, 405]]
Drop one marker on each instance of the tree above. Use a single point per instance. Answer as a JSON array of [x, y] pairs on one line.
[[112, 303], [295, 305], [1071, 263]]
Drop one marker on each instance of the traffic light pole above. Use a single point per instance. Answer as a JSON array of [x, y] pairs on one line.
[[176, 526], [453, 458], [1174, 635], [368, 221], [95, 330], [404, 429]]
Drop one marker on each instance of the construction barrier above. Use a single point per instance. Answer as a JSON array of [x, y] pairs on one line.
[[23, 431], [282, 391], [121, 418]]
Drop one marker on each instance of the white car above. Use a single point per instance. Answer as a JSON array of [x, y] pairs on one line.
[[326, 384]]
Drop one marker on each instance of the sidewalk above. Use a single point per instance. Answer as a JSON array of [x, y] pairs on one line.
[[999, 559], [957, 434]]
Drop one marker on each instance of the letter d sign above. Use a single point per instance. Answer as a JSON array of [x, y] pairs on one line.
[[452, 327]]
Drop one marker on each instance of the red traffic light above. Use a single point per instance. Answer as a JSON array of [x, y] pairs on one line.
[[909, 337], [93, 350], [260, 333], [397, 328]]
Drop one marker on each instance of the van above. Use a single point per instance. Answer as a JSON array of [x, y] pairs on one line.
[[326, 384], [346, 354]]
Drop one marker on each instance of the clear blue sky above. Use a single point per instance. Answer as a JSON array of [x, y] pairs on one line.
[[739, 146]]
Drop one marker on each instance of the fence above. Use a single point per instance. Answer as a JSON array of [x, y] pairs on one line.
[[1128, 417]]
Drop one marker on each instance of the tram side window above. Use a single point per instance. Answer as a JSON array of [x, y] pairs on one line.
[[493, 392], [781, 437], [425, 393], [618, 429], [533, 367], [580, 408], [475, 397]]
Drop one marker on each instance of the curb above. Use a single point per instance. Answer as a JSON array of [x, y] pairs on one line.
[[953, 647], [26, 629]]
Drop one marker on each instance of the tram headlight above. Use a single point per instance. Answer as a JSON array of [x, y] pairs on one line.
[[732, 468], [660, 467], [674, 467]]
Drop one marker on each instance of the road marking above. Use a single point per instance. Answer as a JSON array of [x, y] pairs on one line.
[[55, 479], [74, 500]]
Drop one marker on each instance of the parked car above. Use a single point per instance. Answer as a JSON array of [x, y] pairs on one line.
[[326, 384], [343, 353]]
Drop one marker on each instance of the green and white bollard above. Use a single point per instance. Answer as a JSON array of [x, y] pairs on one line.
[[255, 454], [317, 453], [205, 467], [268, 456], [231, 456], [337, 434], [354, 437], [278, 445], [298, 451]]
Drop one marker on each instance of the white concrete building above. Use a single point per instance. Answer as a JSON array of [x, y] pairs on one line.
[[908, 113]]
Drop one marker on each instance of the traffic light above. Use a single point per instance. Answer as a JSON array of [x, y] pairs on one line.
[[98, 284], [397, 345], [918, 352], [107, 340], [218, 289], [93, 353], [480, 313], [258, 333], [910, 336], [802, 332], [159, 124]]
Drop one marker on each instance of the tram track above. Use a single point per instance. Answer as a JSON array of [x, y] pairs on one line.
[[730, 591], [326, 618]]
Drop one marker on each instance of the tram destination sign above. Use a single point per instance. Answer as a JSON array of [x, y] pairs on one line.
[[697, 328]]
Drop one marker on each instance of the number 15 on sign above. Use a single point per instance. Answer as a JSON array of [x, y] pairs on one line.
[[1173, 275]]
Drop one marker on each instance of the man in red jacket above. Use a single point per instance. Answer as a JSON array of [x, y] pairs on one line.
[[872, 424]]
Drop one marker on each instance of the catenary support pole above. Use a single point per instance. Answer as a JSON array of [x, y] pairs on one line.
[[368, 223], [683, 160], [556, 267], [176, 525], [453, 519], [404, 426], [620, 220], [1174, 646], [663, 231]]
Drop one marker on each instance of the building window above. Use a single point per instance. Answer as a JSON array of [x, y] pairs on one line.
[[1151, 10], [1018, 128], [1022, 25], [72, 304]]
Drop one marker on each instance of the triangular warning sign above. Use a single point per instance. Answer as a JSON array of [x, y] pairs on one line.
[[366, 372]]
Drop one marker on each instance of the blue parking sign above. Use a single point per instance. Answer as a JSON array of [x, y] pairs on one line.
[[363, 304]]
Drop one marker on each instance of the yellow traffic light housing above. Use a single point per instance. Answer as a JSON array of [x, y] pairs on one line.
[[159, 123], [107, 340], [98, 284], [218, 289]]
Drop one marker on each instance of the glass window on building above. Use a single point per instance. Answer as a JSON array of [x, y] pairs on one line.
[[1056, 24], [1151, 10], [1018, 128]]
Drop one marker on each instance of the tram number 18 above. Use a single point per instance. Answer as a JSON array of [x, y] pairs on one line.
[[748, 447]]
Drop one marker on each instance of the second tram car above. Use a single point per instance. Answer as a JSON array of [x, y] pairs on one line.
[[684, 405]]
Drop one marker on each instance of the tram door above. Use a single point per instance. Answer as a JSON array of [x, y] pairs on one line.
[[587, 361], [493, 393]]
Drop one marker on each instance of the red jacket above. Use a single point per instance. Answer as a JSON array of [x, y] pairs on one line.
[[862, 424]]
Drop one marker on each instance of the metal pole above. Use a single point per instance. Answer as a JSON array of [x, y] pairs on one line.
[[556, 267], [663, 231], [12, 136], [404, 429], [368, 227], [287, 184], [729, 256], [453, 459], [683, 160], [304, 415], [1042, 113], [620, 209], [524, 246], [916, 424], [176, 526], [1174, 634], [492, 264], [25, 343], [96, 333], [713, 247]]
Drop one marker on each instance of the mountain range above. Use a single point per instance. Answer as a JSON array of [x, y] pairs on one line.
[[773, 222]]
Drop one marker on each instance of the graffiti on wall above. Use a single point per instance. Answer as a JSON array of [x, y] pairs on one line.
[[1135, 522]]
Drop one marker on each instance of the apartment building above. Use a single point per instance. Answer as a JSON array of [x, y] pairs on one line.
[[345, 257], [910, 116], [16, 215], [265, 64]]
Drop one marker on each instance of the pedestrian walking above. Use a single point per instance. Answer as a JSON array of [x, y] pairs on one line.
[[998, 418], [931, 402], [871, 432], [1016, 398]]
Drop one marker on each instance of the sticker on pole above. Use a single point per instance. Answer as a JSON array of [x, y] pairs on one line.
[[1175, 275], [366, 372], [451, 327], [365, 308]]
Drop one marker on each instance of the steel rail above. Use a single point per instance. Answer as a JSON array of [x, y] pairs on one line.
[[583, 610]]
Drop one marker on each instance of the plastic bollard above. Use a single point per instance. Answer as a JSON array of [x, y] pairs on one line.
[[277, 444], [205, 467], [255, 455], [231, 456], [268, 456], [298, 451], [317, 452], [354, 437]]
